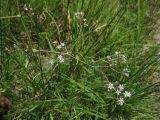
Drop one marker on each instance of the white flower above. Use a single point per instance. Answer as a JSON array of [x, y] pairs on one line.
[[120, 101], [25, 7], [61, 59], [55, 42], [127, 94], [19, 15], [125, 72], [117, 53], [62, 44], [51, 62], [79, 15], [84, 19], [121, 87], [59, 47], [110, 86], [109, 58], [85, 22], [118, 92]]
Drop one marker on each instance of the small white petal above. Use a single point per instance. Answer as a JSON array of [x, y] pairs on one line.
[[55, 42], [18, 15], [84, 19], [117, 53], [26, 9], [62, 44]]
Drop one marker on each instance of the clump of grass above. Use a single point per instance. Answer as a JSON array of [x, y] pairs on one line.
[[77, 59]]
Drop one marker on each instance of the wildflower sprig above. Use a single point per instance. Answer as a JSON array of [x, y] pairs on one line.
[[60, 57], [75, 78], [60, 46], [81, 17], [118, 60], [120, 92]]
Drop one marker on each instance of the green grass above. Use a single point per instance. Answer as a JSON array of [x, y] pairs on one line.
[[106, 38]]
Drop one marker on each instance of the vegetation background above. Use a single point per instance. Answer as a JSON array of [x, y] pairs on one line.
[[60, 58]]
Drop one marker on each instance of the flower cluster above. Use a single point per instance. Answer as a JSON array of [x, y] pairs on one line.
[[28, 9], [84, 20], [51, 62], [59, 46], [125, 72], [120, 92], [111, 62], [80, 16], [122, 58], [119, 59], [60, 57]]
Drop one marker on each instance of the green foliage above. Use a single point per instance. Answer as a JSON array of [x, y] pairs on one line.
[[59, 57]]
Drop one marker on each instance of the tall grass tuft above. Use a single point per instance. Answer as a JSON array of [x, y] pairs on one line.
[[79, 59]]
